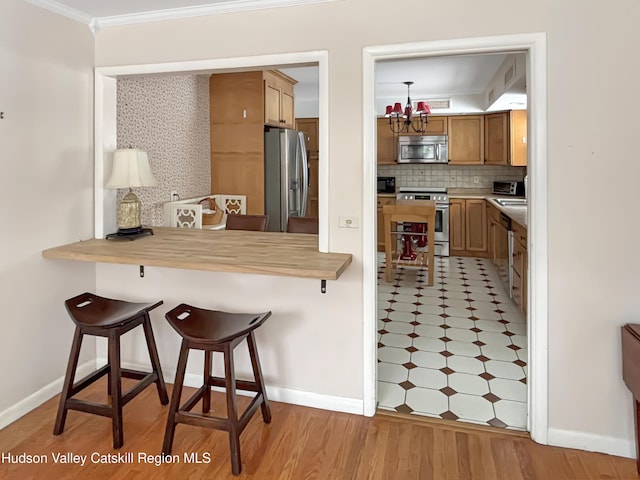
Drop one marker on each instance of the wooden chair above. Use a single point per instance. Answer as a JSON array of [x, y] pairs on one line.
[[302, 225], [257, 223], [415, 211], [105, 317], [214, 331]]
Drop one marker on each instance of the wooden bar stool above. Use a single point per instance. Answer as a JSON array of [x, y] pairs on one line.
[[104, 317], [214, 331], [413, 211]]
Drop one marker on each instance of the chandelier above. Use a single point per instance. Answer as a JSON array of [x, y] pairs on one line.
[[403, 120]]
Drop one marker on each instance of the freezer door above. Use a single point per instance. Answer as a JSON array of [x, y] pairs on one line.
[[293, 173], [304, 167], [286, 182]]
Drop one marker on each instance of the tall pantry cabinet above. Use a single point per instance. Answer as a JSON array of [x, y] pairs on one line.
[[241, 105]]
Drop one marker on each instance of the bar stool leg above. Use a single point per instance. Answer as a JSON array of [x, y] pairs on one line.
[[61, 418], [232, 409], [206, 395], [116, 388], [155, 360], [175, 399], [257, 375]]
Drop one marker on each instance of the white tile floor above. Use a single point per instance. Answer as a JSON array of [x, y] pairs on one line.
[[456, 350]]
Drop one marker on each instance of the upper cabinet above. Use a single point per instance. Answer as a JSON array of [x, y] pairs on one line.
[[466, 139], [436, 126], [505, 138], [278, 99], [309, 126], [387, 142], [241, 105]]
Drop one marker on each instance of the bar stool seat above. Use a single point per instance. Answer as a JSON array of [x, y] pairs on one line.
[[105, 317], [215, 331]]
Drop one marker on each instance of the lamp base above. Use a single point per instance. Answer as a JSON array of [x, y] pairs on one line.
[[129, 233]]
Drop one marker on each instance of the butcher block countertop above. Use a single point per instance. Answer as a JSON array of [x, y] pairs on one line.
[[266, 253]]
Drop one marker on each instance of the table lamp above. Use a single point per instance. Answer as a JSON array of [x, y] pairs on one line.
[[130, 169]]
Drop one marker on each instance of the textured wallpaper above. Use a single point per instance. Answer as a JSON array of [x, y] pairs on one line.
[[168, 117]]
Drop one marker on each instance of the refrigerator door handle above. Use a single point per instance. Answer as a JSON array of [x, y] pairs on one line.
[[305, 174]]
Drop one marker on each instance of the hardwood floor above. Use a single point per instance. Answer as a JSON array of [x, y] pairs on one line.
[[300, 443]]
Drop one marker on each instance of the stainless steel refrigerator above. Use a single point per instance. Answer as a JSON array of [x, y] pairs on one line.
[[286, 176]]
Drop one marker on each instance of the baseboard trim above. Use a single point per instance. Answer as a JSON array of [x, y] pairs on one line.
[[24, 406], [592, 442], [277, 394]]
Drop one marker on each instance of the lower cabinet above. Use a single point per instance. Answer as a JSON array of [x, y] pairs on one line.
[[468, 227], [380, 231], [493, 246], [520, 266]]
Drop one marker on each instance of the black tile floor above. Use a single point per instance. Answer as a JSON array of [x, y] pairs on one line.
[[456, 350]]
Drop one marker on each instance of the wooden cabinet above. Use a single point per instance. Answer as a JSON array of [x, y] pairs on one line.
[[476, 225], [466, 139], [435, 126], [505, 138], [518, 137], [387, 143], [493, 220], [520, 266], [240, 105], [380, 220], [278, 99], [309, 126], [456, 224], [468, 227]]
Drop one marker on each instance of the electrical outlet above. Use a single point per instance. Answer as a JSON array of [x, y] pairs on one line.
[[348, 222], [476, 179]]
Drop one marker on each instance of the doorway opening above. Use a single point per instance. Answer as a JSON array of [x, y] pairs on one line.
[[462, 271]]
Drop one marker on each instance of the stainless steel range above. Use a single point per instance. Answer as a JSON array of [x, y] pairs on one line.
[[439, 195]]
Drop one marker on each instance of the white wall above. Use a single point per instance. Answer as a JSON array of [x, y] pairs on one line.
[[592, 266], [46, 182]]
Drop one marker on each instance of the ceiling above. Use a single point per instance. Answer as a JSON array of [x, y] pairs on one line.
[[434, 77], [464, 79], [112, 8], [107, 13]]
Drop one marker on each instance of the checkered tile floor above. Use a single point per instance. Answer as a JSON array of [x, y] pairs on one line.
[[456, 350]]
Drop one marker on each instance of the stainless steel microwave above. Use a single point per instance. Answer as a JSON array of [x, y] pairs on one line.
[[423, 149]]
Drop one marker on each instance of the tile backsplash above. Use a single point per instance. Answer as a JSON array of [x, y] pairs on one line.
[[450, 176]]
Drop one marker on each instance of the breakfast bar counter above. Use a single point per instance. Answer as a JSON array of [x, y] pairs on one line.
[[266, 253]]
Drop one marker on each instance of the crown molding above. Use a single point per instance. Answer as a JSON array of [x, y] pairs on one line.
[[96, 23], [65, 11]]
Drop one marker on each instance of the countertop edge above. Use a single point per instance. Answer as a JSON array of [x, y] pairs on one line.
[[309, 262]]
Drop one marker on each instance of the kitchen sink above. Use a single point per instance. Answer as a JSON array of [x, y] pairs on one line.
[[511, 202]]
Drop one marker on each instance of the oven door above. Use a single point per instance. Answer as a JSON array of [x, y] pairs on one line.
[[442, 223]]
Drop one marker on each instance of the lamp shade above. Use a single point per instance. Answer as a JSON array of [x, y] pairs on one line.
[[130, 169]]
